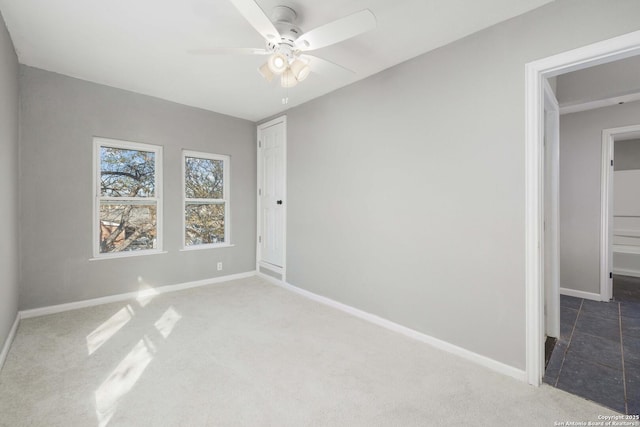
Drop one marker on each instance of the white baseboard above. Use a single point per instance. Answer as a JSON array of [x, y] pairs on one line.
[[411, 333], [271, 267], [9, 340], [580, 294], [626, 272], [42, 311]]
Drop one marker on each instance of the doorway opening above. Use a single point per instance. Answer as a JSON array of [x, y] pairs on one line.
[[594, 354], [536, 73], [620, 240]]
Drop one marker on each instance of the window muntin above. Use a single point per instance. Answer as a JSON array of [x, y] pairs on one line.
[[206, 199], [128, 207]]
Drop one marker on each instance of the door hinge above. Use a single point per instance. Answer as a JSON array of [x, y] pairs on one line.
[[610, 275], [259, 239], [259, 191], [259, 144], [611, 162]]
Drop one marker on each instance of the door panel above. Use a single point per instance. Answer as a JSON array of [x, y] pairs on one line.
[[551, 242], [271, 155]]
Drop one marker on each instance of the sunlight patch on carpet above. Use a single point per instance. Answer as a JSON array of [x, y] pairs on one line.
[[121, 381], [145, 293], [167, 321], [108, 329]]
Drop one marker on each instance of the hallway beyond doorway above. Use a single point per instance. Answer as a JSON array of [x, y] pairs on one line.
[[626, 288], [598, 354]]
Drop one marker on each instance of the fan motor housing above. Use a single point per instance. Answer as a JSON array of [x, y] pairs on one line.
[[289, 33], [283, 19]]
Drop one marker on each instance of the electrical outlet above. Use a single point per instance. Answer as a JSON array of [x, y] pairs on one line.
[[219, 266]]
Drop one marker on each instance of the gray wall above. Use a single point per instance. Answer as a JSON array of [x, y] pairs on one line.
[[406, 190], [580, 174], [8, 183], [59, 117], [627, 154]]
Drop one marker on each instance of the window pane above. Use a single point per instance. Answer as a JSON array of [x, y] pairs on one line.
[[203, 178], [204, 224], [127, 227], [127, 173]]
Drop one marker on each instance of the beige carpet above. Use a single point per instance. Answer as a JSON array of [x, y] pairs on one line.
[[247, 353]]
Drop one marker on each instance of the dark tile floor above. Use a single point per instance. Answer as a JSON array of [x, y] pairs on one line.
[[598, 353], [625, 288]]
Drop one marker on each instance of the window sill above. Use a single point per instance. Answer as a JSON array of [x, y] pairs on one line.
[[203, 247], [126, 255]]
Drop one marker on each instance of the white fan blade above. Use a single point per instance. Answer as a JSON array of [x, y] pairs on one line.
[[322, 66], [230, 51], [337, 31], [257, 18]]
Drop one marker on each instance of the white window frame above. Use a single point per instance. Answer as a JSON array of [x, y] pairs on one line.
[[97, 197], [226, 186]]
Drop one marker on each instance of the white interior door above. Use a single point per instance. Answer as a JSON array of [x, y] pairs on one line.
[[551, 246], [607, 294], [271, 194]]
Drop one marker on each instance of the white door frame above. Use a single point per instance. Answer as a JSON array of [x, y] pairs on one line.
[[609, 136], [551, 248], [283, 270], [535, 72]]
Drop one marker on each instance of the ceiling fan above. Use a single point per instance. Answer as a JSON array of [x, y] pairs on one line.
[[286, 42]]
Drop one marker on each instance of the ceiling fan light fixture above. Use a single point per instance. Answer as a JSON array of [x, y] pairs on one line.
[[288, 79], [286, 42], [265, 72], [277, 63], [300, 69]]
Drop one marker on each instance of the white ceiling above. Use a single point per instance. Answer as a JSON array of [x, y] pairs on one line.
[[599, 86], [141, 45]]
